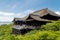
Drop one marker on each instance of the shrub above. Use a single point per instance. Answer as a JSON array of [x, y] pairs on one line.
[[40, 35], [54, 26], [50, 31]]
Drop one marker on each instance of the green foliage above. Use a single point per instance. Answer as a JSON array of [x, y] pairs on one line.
[[54, 26], [50, 31]]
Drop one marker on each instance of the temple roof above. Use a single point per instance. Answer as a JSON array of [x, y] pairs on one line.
[[37, 15], [44, 12]]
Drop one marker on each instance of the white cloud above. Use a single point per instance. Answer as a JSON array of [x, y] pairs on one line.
[[8, 17], [57, 13], [6, 13]]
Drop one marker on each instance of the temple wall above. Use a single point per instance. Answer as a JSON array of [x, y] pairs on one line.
[[24, 27], [18, 26], [50, 17], [29, 24], [17, 29]]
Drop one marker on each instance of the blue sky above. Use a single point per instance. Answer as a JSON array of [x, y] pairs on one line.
[[20, 8]]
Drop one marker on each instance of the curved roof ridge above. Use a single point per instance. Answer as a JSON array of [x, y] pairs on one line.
[[40, 10]]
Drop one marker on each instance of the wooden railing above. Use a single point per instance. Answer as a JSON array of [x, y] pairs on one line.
[[25, 27]]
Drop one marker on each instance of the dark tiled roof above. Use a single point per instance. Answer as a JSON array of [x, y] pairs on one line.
[[37, 14], [44, 12]]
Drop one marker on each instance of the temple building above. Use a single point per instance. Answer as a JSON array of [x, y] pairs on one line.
[[33, 21]]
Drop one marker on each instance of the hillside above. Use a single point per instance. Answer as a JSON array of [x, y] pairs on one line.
[[50, 31]]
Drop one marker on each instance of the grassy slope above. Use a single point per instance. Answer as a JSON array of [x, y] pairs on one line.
[[50, 31]]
